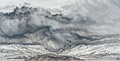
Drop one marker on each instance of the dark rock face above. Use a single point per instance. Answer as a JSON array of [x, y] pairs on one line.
[[56, 32], [19, 18], [52, 57], [27, 25]]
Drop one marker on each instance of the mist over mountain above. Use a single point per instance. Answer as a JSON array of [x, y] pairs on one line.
[[80, 28]]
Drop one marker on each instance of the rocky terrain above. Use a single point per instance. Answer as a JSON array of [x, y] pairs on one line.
[[59, 30], [50, 57]]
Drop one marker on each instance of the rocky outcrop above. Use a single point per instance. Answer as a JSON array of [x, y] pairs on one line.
[[52, 57]]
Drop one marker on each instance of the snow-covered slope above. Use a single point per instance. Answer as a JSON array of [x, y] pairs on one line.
[[104, 12], [86, 29]]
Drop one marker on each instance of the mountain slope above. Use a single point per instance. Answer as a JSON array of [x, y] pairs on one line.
[[85, 29]]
